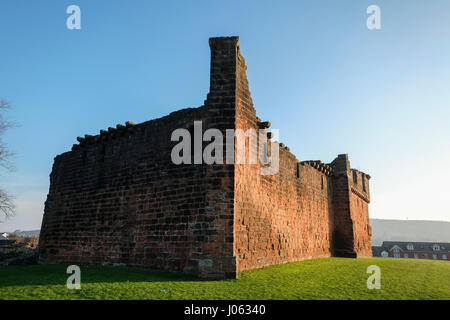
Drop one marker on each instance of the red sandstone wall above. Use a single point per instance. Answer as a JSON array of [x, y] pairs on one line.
[[343, 224], [283, 218], [359, 208], [118, 199], [278, 218], [352, 231]]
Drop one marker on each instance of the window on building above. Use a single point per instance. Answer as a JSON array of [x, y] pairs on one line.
[[444, 257], [363, 178], [322, 182], [385, 254], [396, 250], [355, 177], [396, 255], [416, 256], [405, 255], [425, 256], [436, 247], [410, 247], [434, 256]]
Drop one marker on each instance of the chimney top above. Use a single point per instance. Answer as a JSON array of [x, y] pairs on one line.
[[223, 42]]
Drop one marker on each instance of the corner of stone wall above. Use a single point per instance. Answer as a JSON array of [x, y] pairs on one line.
[[349, 238], [217, 260]]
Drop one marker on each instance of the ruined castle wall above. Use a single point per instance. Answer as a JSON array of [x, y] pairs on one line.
[[343, 224], [278, 218], [351, 197], [359, 208], [118, 199]]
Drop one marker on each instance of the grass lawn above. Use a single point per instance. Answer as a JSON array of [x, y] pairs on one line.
[[331, 278]]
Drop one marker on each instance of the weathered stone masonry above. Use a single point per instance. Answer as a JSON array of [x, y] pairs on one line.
[[117, 198]]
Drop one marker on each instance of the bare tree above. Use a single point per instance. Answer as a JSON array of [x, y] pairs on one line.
[[6, 201]]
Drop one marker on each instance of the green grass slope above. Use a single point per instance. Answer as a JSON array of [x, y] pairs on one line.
[[331, 278]]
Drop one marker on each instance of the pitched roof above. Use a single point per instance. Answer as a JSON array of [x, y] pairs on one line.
[[418, 246]]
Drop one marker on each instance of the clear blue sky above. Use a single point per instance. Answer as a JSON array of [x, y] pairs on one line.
[[316, 72]]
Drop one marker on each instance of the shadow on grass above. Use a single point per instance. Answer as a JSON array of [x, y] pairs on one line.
[[55, 274]]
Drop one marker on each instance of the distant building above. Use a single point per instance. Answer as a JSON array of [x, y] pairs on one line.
[[413, 250], [4, 241]]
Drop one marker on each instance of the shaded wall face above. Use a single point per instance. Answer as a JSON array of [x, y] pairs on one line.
[[343, 244], [278, 218], [121, 200], [362, 232], [359, 208]]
